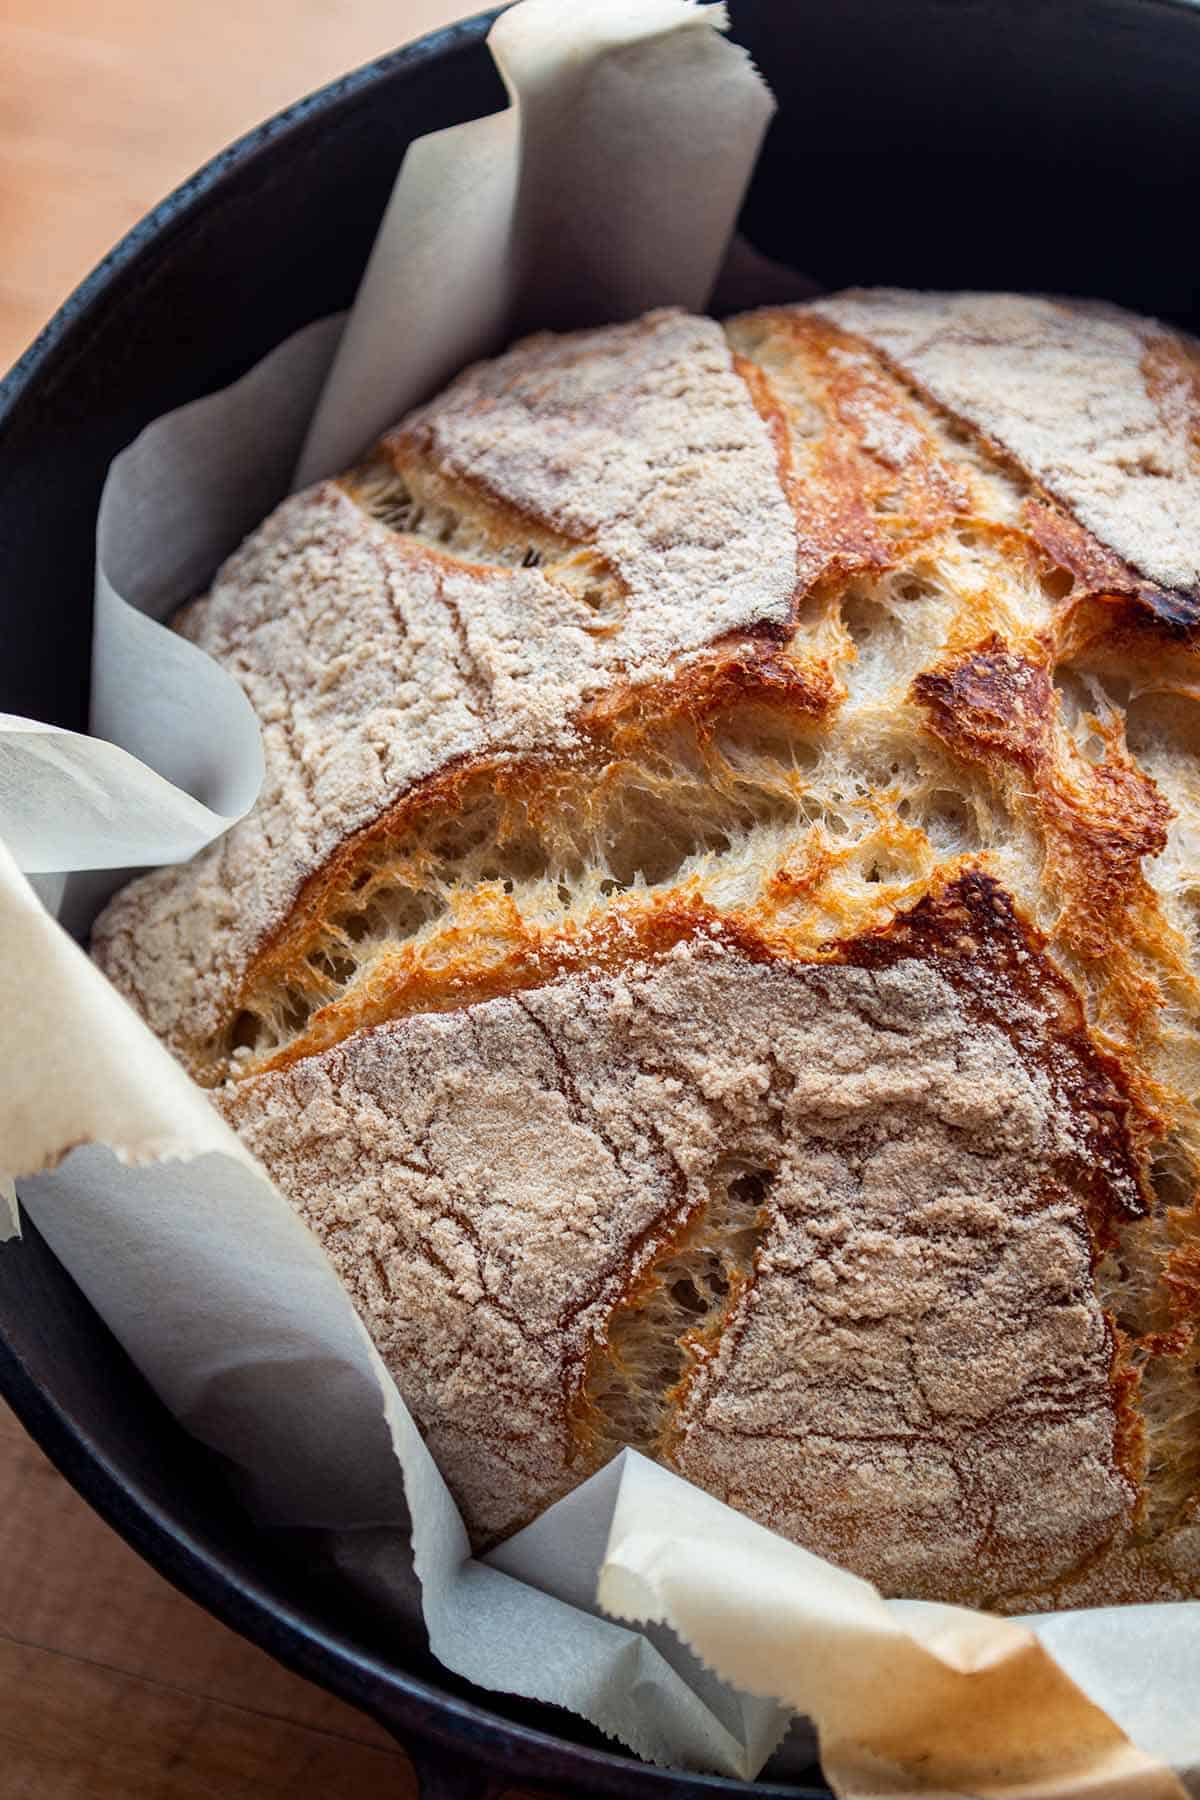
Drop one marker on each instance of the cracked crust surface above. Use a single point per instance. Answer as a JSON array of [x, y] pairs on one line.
[[715, 959], [1100, 407], [921, 1347], [373, 660]]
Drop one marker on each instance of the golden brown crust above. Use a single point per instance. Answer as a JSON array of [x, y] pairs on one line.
[[1096, 408], [1085, 569], [841, 642], [872, 484], [1097, 820], [716, 684]]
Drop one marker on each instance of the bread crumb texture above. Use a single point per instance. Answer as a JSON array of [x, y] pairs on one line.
[[715, 958]]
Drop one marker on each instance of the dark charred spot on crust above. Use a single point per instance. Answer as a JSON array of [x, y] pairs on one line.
[[990, 703], [994, 707], [1093, 571], [1097, 820], [996, 961]]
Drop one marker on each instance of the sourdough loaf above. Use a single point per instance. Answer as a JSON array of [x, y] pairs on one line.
[[715, 958]]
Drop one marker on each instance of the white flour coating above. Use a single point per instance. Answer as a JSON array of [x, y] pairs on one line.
[[921, 1361], [373, 661], [641, 440], [1072, 391]]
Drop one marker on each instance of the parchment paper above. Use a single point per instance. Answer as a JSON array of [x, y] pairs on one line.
[[219, 1293]]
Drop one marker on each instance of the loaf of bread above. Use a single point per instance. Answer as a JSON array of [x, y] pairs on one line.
[[715, 959]]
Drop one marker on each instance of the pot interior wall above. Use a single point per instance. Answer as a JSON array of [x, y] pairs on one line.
[[985, 144]]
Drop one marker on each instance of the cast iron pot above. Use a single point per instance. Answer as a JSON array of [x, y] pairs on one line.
[[1053, 147]]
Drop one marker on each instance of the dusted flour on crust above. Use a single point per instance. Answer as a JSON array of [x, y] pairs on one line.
[[1101, 407], [715, 959], [374, 659], [916, 1379]]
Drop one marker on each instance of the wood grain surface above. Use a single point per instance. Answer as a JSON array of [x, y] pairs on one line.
[[105, 105], [112, 1685]]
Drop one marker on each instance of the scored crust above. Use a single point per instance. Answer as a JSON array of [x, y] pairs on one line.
[[715, 958], [921, 1348], [1051, 386]]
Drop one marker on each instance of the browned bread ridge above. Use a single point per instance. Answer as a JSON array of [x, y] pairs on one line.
[[715, 959]]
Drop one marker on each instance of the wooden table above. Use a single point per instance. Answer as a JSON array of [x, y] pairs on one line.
[[112, 1686], [105, 105]]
